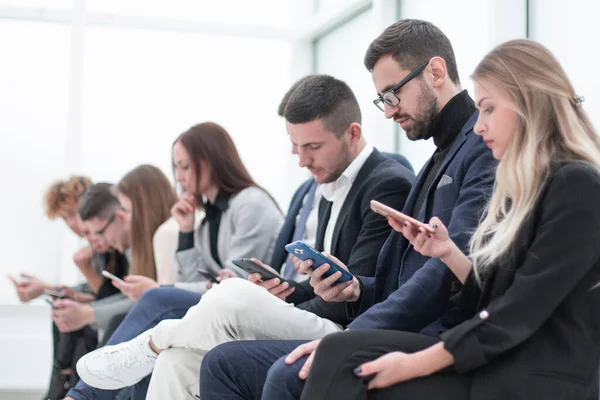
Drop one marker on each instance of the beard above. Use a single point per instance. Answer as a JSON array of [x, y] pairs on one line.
[[427, 110], [345, 158]]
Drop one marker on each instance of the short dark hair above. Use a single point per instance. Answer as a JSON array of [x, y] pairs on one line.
[[98, 202], [288, 94], [323, 97], [411, 42]]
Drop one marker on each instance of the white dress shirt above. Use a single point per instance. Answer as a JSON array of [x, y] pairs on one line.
[[337, 191]]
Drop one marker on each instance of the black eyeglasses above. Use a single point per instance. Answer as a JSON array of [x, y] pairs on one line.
[[110, 221], [389, 97]]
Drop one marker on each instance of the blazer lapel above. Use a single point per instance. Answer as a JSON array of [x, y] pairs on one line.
[[414, 191], [456, 145], [324, 214]]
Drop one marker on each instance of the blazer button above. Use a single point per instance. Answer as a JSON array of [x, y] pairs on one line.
[[484, 314]]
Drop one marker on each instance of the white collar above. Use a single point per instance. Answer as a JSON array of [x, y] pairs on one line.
[[347, 177]]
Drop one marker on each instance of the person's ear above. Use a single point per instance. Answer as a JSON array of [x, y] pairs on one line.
[[354, 131], [122, 215], [438, 71]]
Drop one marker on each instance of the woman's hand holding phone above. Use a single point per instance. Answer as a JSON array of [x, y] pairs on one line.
[[435, 244], [431, 244], [183, 211]]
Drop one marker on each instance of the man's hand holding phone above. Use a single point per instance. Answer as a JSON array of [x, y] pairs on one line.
[[183, 211], [70, 315], [276, 286], [326, 286]]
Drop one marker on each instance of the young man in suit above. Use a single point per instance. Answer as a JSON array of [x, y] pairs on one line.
[[413, 61], [324, 126]]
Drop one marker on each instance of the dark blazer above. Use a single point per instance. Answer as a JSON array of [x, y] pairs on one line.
[[399, 158], [359, 233], [413, 291], [287, 230], [536, 329]]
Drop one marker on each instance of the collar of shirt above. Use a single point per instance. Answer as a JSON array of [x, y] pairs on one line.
[[346, 179], [220, 206], [450, 120]]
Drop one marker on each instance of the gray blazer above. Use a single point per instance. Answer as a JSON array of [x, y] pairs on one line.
[[248, 228]]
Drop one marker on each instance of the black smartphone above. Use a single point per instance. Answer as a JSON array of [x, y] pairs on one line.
[[54, 294], [250, 266], [210, 276]]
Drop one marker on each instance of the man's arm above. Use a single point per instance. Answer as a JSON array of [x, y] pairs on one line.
[[392, 190], [424, 297]]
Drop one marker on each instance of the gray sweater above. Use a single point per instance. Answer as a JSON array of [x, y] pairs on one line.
[[248, 228]]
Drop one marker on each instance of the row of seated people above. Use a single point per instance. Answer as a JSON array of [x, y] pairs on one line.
[[496, 297]]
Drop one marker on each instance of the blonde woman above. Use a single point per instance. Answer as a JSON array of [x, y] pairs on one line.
[[530, 281]]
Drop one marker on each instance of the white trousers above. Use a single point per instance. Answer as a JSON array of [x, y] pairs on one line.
[[236, 309]]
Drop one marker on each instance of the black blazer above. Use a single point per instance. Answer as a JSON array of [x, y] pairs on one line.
[[535, 333], [359, 233]]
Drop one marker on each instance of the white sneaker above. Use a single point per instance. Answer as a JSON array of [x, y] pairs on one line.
[[118, 366]]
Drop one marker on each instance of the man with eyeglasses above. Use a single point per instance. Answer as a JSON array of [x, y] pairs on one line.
[[414, 71], [100, 215]]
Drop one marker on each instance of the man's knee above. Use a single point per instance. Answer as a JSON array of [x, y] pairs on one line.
[[233, 295], [215, 363], [283, 381], [154, 296]]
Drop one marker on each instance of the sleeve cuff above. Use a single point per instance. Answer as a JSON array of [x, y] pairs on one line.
[[463, 344], [186, 241]]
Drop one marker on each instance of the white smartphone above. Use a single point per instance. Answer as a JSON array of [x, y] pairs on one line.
[[113, 277]]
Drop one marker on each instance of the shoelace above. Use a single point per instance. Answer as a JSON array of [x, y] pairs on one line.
[[126, 357]]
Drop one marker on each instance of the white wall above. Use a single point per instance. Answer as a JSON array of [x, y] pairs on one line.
[[570, 30], [340, 53], [140, 89]]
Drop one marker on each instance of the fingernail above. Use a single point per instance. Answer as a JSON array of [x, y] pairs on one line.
[[420, 230], [435, 225], [357, 370], [429, 236]]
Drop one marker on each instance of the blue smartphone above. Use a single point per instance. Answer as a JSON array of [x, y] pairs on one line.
[[306, 252]]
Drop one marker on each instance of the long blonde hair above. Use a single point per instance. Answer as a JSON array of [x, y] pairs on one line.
[[552, 126], [152, 197]]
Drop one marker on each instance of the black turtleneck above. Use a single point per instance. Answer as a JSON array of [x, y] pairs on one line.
[[213, 218], [445, 128]]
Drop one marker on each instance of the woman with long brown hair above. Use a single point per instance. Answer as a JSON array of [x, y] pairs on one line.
[[146, 196], [241, 221]]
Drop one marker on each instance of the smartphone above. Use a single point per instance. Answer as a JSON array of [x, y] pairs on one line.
[[250, 266], [208, 275], [387, 211], [306, 252], [112, 277], [54, 294]]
